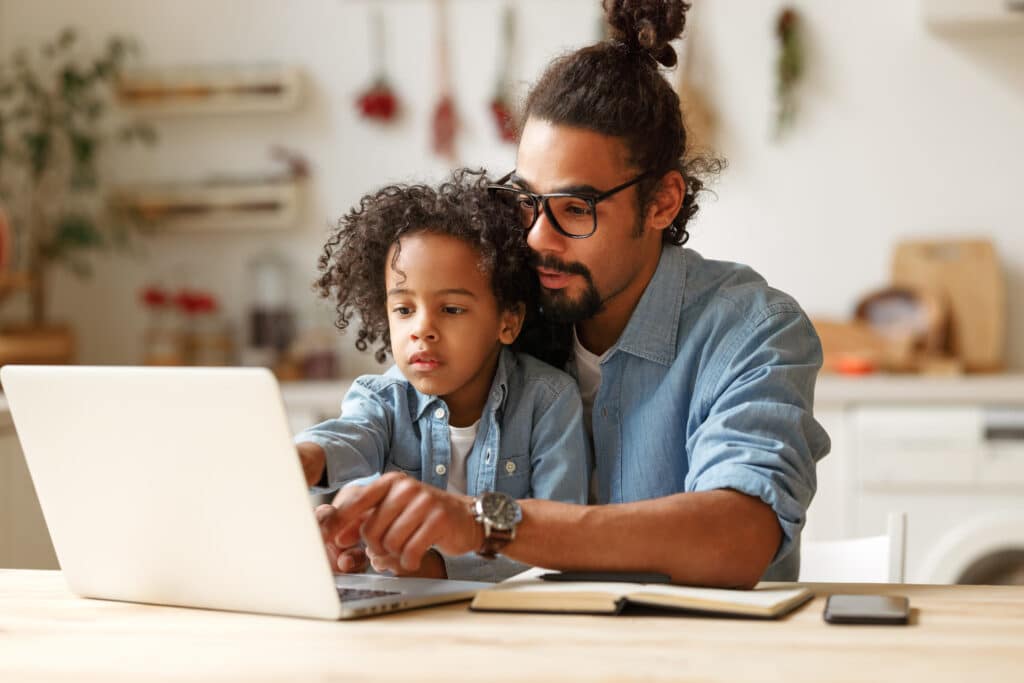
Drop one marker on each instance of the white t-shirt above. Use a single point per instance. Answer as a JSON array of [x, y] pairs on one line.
[[462, 439], [588, 374]]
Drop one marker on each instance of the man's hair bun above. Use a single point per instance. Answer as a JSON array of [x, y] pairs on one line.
[[647, 26]]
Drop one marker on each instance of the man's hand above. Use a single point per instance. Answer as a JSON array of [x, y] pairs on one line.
[[400, 518], [313, 461], [432, 566]]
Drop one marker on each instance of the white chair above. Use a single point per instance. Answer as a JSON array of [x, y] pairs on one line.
[[872, 559]]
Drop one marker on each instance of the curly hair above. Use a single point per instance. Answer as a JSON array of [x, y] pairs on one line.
[[614, 88], [353, 263]]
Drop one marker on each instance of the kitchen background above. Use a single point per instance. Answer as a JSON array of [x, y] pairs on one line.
[[902, 132], [906, 129]]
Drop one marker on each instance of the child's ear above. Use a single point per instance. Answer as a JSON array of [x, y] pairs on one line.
[[511, 323]]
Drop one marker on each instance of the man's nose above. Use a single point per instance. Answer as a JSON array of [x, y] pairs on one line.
[[543, 237]]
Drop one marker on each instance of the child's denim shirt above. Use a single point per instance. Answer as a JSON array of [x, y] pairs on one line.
[[530, 442]]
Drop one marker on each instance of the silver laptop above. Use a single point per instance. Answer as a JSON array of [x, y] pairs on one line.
[[181, 486]]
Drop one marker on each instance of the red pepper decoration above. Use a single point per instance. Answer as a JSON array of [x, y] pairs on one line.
[[379, 102], [154, 297], [504, 119], [445, 121]]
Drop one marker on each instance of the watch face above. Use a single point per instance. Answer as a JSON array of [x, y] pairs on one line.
[[501, 510]]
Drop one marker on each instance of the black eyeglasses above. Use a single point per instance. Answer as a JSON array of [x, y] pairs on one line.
[[573, 215]]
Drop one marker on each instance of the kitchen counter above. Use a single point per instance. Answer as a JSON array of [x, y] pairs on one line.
[[1006, 388]]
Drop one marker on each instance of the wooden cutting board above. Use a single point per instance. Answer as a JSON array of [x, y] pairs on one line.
[[967, 274]]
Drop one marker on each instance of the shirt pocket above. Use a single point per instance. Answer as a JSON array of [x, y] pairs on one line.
[[513, 476], [399, 461]]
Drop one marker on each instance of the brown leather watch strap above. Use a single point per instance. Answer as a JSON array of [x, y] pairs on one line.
[[493, 544]]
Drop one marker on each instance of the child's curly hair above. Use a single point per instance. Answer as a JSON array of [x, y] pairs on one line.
[[353, 264]]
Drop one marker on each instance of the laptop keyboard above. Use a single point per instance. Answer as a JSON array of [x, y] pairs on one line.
[[347, 594]]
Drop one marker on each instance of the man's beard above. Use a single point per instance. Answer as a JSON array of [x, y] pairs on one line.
[[557, 306]]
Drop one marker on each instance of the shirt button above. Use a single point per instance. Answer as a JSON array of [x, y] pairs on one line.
[[604, 412], [441, 469], [439, 413], [510, 467]]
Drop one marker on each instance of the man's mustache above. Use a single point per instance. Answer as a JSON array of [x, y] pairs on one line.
[[553, 263]]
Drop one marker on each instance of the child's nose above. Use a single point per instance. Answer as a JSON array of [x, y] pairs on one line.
[[424, 329]]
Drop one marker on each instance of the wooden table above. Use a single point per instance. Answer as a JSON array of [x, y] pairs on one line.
[[958, 633]]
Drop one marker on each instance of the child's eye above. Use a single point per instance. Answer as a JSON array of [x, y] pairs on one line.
[[401, 310], [454, 310]]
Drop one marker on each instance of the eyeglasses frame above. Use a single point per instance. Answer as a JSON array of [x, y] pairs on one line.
[[541, 201]]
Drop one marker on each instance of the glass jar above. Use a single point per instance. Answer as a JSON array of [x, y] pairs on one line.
[[163, 340], [271, 316]]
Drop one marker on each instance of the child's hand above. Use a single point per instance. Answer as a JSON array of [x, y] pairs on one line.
[[349, 559], [401, 519]]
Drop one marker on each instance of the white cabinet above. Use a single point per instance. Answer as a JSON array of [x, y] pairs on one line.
[[949, 453]]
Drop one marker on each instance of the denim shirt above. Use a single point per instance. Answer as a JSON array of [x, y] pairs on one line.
[[530, 442], [711, 386]]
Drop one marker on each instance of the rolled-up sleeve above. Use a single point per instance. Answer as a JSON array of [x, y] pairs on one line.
[[356, 442], [759, 435]]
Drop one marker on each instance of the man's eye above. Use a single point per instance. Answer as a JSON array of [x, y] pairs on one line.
[[578, 209]]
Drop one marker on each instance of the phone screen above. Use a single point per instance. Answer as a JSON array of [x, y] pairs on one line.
[[867, 609]]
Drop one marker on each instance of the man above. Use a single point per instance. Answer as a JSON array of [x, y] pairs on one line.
[[697, 377]]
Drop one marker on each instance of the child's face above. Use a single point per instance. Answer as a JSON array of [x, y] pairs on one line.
[[446, 329]]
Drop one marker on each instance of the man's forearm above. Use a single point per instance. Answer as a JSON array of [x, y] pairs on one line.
[[711, 538], [313, 459]]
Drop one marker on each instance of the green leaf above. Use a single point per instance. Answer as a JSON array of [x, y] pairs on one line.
[[76, 231], [67, 38], [83, 153], [37, 144]]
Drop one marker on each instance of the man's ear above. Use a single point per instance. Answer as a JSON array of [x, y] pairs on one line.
[[511, 323], [666, 201]]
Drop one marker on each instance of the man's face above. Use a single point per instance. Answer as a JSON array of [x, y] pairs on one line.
[[581, 277], [445, 325]]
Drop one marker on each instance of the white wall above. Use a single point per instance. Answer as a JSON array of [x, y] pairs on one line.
[[902, 133]]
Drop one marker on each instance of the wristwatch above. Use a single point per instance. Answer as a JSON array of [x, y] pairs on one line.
[[499, 514]]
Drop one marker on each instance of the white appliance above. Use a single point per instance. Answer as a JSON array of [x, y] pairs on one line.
[[958, 473]]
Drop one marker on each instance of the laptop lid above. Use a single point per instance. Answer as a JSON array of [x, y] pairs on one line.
[[175, 486]]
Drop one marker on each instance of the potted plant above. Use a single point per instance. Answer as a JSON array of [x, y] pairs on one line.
[[55, 116]]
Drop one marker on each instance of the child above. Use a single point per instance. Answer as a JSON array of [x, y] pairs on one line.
[[442, 278]]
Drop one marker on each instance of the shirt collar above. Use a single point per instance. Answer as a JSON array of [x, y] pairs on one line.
[[653, 328], [495, 398]]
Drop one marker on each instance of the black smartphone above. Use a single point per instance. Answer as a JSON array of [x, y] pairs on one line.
[[867, 609]]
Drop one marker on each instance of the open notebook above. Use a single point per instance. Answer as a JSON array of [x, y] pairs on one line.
[[527, 592]]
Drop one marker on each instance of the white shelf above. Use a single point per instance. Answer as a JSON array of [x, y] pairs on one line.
[[210, 89], [974, 16], [241, 206]]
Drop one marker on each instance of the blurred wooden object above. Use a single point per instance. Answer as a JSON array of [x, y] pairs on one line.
[[967, 274], [51, 345], [11, 281], [909, 316], [849, 345]]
